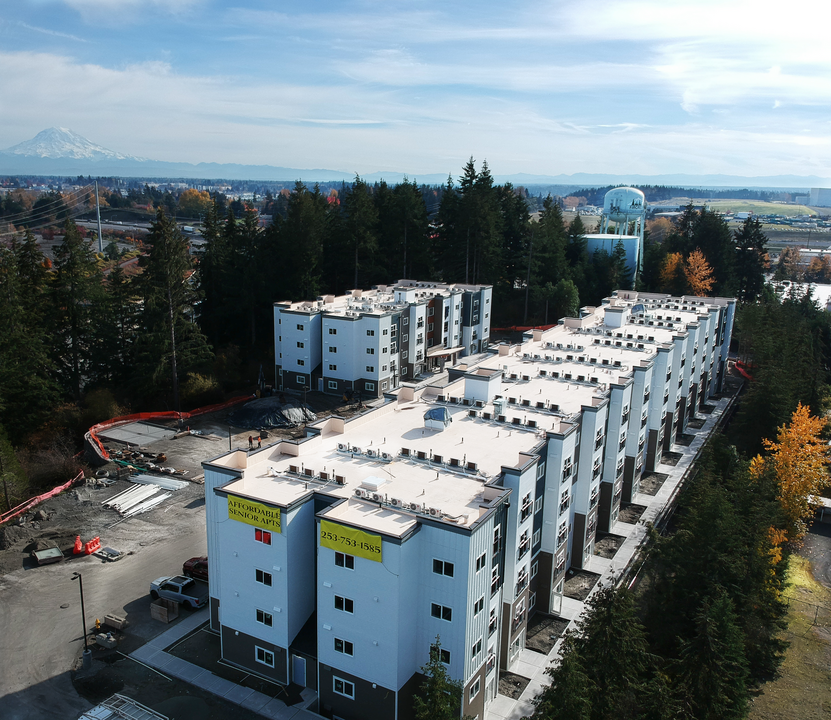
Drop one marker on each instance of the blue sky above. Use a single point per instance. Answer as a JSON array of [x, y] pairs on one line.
[[643, 87]]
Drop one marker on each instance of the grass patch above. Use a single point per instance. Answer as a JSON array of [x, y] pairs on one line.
[[759, 207], [802, 691]]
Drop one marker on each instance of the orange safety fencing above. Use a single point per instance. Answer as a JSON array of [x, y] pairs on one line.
[[97, 446], [31, 502]]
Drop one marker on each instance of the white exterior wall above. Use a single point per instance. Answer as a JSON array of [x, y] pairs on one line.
[[377, 627], [310, 353], [617, 432], [241, 596], [660, 385], [588, 483], [636, 436], [454, 320], [521, 485], [418, 351], [344, 340]]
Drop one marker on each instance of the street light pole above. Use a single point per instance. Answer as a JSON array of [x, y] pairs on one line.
[[77, 576]]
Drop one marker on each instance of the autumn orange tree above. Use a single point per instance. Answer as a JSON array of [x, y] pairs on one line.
[[698, 273], [799, 459], [672, 274]]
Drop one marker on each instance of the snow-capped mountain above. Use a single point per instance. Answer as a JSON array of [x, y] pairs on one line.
[[62, 143]]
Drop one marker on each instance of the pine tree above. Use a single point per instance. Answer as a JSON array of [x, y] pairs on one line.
[[169, 344], [361, 224], [713, 666], [570, 694], [751, 260], [77, 297]]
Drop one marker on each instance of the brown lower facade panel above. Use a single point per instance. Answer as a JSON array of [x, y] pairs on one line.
[[347, 696], [255, 655]]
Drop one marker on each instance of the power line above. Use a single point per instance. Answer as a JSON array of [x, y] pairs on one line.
[[47, 208]]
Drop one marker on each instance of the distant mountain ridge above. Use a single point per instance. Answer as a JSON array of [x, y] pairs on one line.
[[62, 152]]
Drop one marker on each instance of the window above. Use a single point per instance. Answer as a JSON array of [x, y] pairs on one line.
[[370, 333], [405, 321], [299, 327], [475, 649], [262, 536], [429, 327], [406, 338], [431, 311], [479, 605], [370, 351], [264, 618], [383, 349], [299, 344], [333, 367], [480, 562], [344, 646], [370, 368], [370, 387], [333, 384], [497, 535], [492, 622], [524, 545], [441, 612], [344, 604], [333, 348], [333, 331], [536, 538], [538, 504], [441, 567], [495, 580], [444, 655], [261, 576], [344, 560], [343, 687], [403, 371], [535, 566], [474, 689], [404, 355], [385, 331], [264, 656], [301, 363]]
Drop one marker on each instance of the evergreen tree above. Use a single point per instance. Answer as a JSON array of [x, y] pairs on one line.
[[570, 694], [439, 697], [27, 386], [77, 297], [361, 224], [169, 344], [751, 260], [712, 665]]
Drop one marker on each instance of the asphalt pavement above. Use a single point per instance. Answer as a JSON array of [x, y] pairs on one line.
[[41, 639]]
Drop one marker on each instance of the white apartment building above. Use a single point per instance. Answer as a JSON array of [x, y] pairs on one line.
[[372, 340], [449, 510]]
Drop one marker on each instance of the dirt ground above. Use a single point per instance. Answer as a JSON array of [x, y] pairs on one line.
[[802, 691], [579, 584], [651, 482], [79, 511], [512, 685], [606, 545], [630, 513], [671, 458], [543, 632]]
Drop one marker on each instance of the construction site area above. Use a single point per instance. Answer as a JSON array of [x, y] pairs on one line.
[[137, 517]]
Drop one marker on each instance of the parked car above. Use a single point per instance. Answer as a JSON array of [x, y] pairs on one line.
[[181, 589], [197, 568]]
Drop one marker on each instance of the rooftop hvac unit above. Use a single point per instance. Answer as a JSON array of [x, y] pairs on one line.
[[359, 493], [340, 479], [343, 448], [536, 357], [415, 506], [355, 449], [376, 497], [435, 512], [386, 456], [372, 453], [526, 356], [472, 413], [395, 501]]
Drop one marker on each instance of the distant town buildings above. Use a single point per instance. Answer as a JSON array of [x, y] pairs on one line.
[[451, 509], [820, 197]]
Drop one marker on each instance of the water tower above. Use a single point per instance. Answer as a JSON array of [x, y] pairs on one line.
[[622, 207]]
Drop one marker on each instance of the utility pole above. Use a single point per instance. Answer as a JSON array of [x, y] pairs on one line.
[[98, 214]]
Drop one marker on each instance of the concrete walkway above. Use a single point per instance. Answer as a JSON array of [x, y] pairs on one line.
[[153, 654], [531, 664]]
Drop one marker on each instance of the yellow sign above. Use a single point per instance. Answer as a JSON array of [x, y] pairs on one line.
[[350, 540], [254, 513]]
